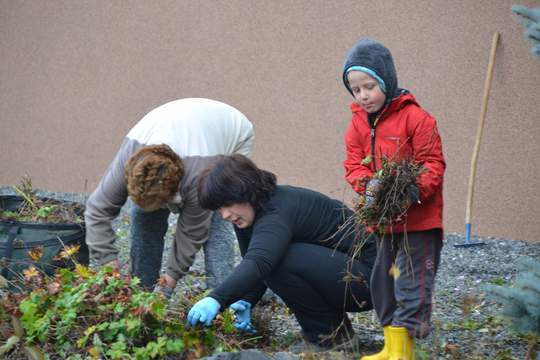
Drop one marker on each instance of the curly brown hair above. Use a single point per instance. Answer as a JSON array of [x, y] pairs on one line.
[[153, 174]]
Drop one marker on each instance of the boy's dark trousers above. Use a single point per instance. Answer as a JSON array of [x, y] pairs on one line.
[[403, 279]]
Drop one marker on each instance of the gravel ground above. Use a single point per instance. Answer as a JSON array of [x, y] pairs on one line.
[[466, 322]]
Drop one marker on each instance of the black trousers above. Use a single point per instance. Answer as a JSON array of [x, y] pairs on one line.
[[147, 242], [310, 279]]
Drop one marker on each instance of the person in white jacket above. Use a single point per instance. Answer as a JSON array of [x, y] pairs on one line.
[[157, 166]]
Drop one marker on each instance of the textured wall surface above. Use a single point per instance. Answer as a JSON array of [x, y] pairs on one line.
[[76, 75]]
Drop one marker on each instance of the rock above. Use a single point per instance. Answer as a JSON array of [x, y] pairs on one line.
[[259, 355], [285, 356], [252, 355]]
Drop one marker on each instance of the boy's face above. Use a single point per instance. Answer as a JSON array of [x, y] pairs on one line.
[[366, 91]]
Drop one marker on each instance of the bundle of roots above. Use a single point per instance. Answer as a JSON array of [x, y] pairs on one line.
[[393, 199]]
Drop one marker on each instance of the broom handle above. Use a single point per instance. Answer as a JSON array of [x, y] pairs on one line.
[[476, 150]]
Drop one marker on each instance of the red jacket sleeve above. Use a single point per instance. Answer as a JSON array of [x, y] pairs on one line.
[[427, 147], [355, 172]]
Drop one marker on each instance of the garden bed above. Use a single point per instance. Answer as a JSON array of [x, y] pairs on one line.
[[467, 324]]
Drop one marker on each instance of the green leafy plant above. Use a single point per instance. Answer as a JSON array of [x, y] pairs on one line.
[[471, 324], [498, 281], [45, 211], [9, 214], [84, 314]]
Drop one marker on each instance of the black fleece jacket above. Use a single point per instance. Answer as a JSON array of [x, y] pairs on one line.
[[293, 214]]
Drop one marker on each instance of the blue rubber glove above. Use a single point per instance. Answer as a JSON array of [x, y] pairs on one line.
[[531, 21], [242, 316], [204, 312], [372, 188]]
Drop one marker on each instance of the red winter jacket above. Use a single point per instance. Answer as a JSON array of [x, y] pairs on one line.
[[405, 127]]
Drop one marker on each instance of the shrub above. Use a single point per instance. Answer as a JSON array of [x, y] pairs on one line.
[[102, 314]]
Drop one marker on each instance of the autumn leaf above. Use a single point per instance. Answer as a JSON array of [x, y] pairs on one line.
[[68, 252], [83, 271], [94, 352], [36, 253], [3, 282], [30, 273], [115, 273], [394, 271], [453, 348]]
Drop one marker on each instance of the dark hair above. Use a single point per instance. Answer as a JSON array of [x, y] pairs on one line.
[[235, 179]]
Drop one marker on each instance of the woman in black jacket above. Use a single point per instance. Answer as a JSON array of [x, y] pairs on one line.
[[295, 241]]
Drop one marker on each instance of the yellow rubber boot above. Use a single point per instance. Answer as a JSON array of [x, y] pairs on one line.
[[384, 354], [401, 344]]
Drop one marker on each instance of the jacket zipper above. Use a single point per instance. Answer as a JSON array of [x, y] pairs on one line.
[[373, 133], [373, 147]]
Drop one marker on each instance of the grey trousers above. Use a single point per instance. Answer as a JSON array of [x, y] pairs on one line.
[[404, 297], [148, 238], [219, 251]]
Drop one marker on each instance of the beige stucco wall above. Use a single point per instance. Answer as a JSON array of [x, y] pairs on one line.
[[76, 75]]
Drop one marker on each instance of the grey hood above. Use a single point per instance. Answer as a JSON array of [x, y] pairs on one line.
[[373, 55]]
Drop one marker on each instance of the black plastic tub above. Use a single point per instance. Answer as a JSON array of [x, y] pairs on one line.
[[18, 237]]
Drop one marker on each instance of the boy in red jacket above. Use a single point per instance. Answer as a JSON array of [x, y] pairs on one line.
[[388, 122]]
